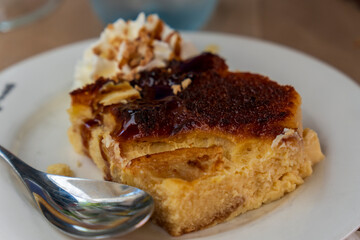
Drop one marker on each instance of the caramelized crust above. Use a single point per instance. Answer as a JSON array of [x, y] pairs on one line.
[[231, 102]]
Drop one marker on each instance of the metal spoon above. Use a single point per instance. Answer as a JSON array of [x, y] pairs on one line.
[[84, 208]]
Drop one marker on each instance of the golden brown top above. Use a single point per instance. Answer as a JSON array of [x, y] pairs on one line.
[[201, 94]]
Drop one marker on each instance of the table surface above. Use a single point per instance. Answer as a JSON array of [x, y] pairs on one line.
[[328, 30]]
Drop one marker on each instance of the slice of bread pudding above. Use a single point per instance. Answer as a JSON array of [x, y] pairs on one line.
[[208, 144]]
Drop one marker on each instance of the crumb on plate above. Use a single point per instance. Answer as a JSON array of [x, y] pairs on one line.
[[60, 169]]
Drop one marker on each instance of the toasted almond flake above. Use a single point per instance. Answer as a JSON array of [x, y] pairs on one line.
[[185, 83], [119, 96], [176, 88], [97, 50]]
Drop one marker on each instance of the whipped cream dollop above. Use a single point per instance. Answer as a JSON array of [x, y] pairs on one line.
[[127, 47]]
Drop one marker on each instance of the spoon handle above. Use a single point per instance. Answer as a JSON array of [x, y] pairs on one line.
[[21, 168]]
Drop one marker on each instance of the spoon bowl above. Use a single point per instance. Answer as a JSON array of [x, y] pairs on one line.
[[84, 208]]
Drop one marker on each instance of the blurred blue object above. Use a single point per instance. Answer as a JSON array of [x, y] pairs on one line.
[[178, 14]]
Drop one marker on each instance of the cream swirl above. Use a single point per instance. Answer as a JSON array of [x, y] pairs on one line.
[[125, 48]]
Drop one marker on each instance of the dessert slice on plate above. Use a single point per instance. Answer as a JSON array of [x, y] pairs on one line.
[[208, 144]]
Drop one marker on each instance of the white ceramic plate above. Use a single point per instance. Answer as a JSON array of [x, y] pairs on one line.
[[33, 124]]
